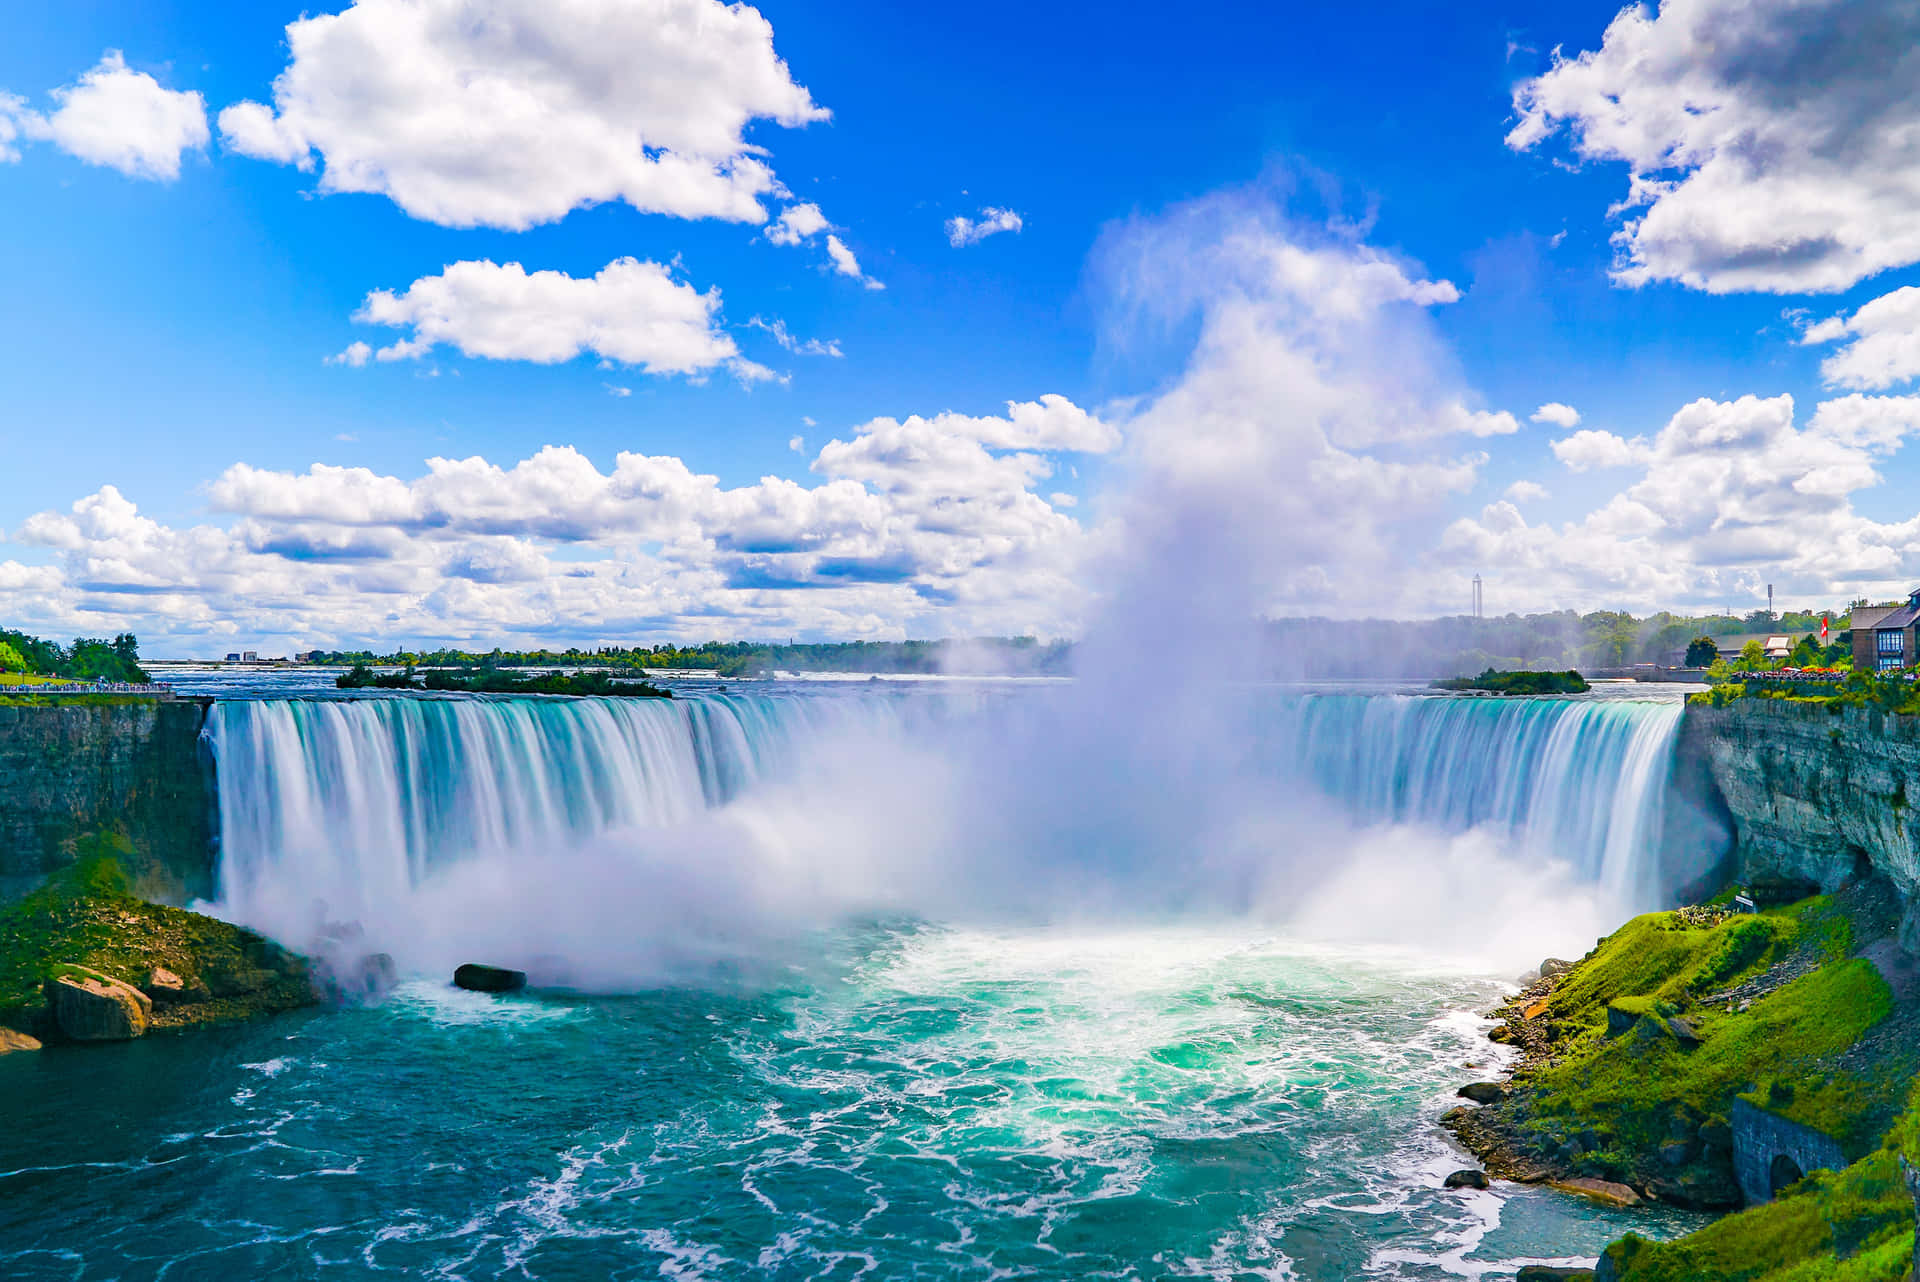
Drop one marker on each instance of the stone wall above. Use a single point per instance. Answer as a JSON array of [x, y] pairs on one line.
[[1770, 1151], [133, 777], [1812, 793]]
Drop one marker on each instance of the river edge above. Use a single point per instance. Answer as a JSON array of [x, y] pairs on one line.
[[1749, 1061]]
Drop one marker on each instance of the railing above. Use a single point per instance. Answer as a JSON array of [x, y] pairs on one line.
[[90, 687]]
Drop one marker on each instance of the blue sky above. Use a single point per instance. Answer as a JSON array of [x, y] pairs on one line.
[[166, 326]]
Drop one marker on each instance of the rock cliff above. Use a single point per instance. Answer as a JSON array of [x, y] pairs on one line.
[[128, 777], [1814, 793]]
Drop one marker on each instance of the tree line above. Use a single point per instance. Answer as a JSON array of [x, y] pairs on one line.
[[87, 659]]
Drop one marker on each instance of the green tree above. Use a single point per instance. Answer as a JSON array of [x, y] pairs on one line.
[[1753, 657], [10, 659], [1701, 652]]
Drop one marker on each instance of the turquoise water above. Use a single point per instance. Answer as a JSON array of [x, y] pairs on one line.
[[916, 1102], [1165, 1069]]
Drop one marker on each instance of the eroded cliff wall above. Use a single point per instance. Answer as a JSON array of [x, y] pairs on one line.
[[130, 778], [1814, 793]]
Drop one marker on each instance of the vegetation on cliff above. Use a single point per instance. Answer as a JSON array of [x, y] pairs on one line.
[[85, 916], [491, 681], [1634, 1057], [1568, 682]]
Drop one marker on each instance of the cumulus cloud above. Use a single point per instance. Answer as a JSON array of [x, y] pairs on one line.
[[846, 264], [963, 231], [797, 223], [906, 517], [1557, 414], [629, 312], [1588, 449], [355, 355], [511, 113], [115, 117], [1727, 496], [1769, 143], [1526, 492], [1880, 343]]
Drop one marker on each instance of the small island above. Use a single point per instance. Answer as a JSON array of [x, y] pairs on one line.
[[494, 681], [1494, 682]]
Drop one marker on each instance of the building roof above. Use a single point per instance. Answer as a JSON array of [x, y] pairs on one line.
[[1900, 618]]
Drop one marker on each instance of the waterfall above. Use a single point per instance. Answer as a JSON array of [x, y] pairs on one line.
[[342, 804], [356, 801], [1580, 781]]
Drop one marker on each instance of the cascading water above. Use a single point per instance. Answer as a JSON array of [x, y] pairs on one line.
[[1579, 781], [354, 802], [348, 803]]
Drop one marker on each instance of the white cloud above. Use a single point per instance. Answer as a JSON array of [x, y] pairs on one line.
[[846, 264], [799, 347], [115, 117], [1770, 142], [630, 312], [1589, 448], [797, 223], [1061, 499], [1881, 342], [1728, 495], [962, 231], [1526, 492], [1559, 415], [511, 113], [907, 518], [615, 390], [355, 355], [797, 443]]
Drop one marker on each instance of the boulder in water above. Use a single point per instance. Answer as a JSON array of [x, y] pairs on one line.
[[89, 1006], [1605, 1192], [1483, 1092], [12, 1040], [1468, 1179], [477, 978]]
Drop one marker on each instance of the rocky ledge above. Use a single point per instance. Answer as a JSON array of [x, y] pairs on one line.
[[82, 960]]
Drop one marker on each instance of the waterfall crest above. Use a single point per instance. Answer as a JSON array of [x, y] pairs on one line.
[[344, 804]]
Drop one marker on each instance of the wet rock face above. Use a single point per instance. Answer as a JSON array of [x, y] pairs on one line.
[[1468, 1179], [11, 1041], [1817, 798], [134, 771], [1483, 1092]]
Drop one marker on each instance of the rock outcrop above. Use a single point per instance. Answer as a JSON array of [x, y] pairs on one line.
[[88, 1006], [11, 1040]]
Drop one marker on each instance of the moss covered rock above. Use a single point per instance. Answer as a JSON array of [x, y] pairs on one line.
[[85, 921]]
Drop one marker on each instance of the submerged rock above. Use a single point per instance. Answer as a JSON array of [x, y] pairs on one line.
[[1468, 1179], [1605, 1192], [10, 1041], [1483, 1092], [477, 978], [89, 1006]]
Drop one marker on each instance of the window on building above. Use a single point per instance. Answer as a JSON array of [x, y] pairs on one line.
[[1889, 641]]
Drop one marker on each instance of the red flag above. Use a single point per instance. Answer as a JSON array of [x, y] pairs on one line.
[[1823, 629]]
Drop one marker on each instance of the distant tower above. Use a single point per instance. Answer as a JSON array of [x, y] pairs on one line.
[[1479, 601], [1769, 602]]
